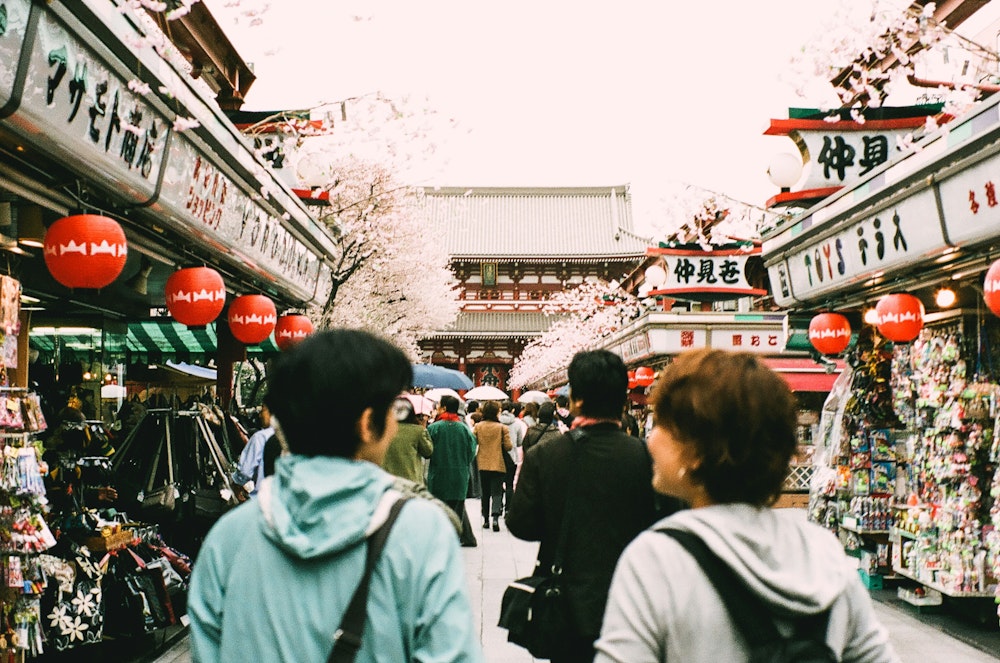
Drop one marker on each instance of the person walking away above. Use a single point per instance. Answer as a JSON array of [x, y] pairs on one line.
[[545, 429], [724, 435], [275, 574], [563, 413], [597, 486], [250, 469], [471, 416], [451, 463], [494, 443], [529, 415], [517, 429], [411, 444]]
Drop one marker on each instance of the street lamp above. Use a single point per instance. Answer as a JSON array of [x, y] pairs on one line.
[[655, 276], [784, 170]]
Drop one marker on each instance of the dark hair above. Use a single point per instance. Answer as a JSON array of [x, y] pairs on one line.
[[546, 412], [449, 403], [739, 416], [599, 379], [471, 406], [490, 410], [530, 409], [563, 401], [318, 389]]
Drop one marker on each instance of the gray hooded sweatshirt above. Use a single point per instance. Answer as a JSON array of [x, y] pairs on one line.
[[662, 607]]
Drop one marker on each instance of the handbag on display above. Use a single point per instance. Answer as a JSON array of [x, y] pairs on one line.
[[162, 499], [535, 610]]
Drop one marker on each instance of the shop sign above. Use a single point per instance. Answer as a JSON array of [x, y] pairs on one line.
[[835, 158], [76, 107], [696, 271], [970, 202], [635, 347], [748, 340], [892, 238], [681, 338]]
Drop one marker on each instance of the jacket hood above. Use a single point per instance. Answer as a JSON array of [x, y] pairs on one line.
[[314, 506], [796, 566], [506, 418]]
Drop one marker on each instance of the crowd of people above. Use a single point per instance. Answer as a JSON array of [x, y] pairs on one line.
[[275, 576]]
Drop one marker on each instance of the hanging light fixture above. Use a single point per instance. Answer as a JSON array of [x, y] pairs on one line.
[[945, 298], [85, 250]]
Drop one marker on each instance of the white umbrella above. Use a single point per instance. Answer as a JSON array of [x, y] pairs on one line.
[[421, 404], [485, 393], [436, 394], [533, 396]]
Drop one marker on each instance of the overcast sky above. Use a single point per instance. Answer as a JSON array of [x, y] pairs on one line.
[[552, 92]]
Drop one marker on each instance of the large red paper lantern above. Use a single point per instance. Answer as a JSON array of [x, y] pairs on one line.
[[290, 329], [252, 318], [85, 250], [991, 288], [830, 333], [195, 295], [632, 384], [900, 317], [644, 376]]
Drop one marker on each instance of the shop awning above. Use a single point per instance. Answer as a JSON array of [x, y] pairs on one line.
[[160, 338], [805, 374]]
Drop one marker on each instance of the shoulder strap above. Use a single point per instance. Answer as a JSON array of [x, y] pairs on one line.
[[347, 639], [575, 435]]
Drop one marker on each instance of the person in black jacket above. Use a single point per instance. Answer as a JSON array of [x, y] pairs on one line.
[[609, 477]]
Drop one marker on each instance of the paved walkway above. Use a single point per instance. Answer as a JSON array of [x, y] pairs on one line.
[[500, 557]]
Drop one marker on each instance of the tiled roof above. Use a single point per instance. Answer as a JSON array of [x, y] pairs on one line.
[[575, 222], [503, 324]]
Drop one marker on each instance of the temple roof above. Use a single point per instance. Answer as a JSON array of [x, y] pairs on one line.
[[501, 324], [558, 223]]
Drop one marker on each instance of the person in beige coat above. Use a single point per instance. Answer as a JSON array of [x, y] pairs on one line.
[[494, 441]]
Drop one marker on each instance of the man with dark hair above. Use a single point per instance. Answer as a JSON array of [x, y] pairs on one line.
[[451, 463], [545, 429], [275, 574], [597, 484]]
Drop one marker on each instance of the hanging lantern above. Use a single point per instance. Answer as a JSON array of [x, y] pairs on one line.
[[900, 317], [252, 318], [632, 384], [991, 288], [85, 250], [644, 376], [830, 333], [195, 295], [290, 329]]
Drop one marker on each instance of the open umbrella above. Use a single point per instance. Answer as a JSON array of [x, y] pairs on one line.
[[533, 396], [421, 404], [563, 390], [485, 393], [430, 376], [435, 395]]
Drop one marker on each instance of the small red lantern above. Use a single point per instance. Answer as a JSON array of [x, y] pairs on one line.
[[644, 376], [991, 288], [85, 250], [900, 317], [252, 318], [290, 329], [830, 333], [632, 384], [195, 295]]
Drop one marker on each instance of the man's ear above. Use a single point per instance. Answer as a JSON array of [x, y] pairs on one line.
[[364, 427]]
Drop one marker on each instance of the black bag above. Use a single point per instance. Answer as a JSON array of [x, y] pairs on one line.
[[806, 644], [535, 612]]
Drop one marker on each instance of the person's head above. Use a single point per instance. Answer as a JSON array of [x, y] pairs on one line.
[[471, 407], [530, 410], [725, 429], [263, 417], [340, 383], [563, 401], [598, 384], [490, 410], [507, 406], [546, 412], [449, 404]]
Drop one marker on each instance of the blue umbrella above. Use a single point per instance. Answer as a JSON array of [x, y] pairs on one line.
[[430, 376], [563, 390]]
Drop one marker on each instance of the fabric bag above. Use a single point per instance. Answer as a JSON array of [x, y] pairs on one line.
[[535, 612]]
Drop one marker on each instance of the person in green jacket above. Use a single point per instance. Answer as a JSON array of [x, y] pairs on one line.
[[411, 444], [451, 462], [274, 576]]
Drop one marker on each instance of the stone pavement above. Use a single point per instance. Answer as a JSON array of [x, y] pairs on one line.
[[500, 558]]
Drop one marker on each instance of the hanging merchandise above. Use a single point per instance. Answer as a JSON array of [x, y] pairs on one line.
[[830, 333], [85, 251], [252, 318], [195, 296], [900, 317], [290, 329]]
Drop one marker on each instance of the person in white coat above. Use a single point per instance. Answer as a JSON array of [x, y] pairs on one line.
[[723, 439]]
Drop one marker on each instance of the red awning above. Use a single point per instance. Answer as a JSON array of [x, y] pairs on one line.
[[805, 374]]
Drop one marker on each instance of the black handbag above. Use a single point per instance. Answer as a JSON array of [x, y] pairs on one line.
[[535, 610]]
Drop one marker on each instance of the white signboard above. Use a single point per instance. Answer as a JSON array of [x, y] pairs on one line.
[[839, 158], [706, 272], [12, 32], [971, 202]]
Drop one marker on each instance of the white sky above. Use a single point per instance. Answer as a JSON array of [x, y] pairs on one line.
[[552, 92]]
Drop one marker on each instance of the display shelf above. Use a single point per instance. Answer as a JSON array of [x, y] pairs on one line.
[[941, 588], [904, 534], [859, 530]]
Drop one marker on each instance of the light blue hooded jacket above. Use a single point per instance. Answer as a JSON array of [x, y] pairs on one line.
[[274, 576]]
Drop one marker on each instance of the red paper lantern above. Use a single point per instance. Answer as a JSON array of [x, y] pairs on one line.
[[632, 384], [991, 288], [85, 250], [290, 329], [830, 333], [252, 318], [644, 376], [900, 317], [195, 295]]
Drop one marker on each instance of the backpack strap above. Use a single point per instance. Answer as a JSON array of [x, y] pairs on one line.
[[347, 639], [750, 614]]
